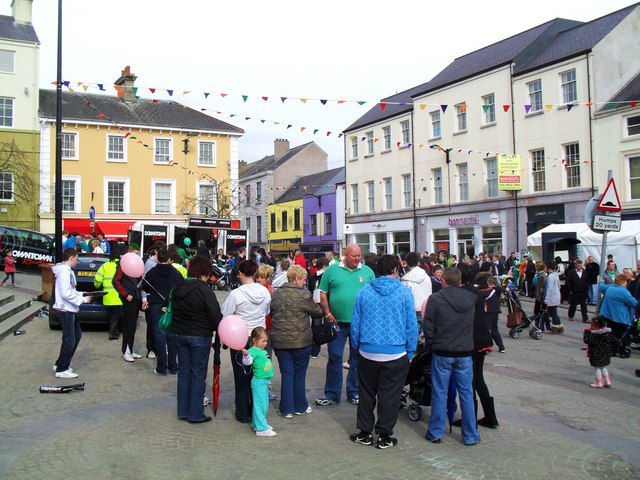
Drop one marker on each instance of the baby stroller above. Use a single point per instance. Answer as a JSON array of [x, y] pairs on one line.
[[417, 389], [517, 319], [623, 343]]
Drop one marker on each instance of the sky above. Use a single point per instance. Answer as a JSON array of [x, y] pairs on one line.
[[352, 50]]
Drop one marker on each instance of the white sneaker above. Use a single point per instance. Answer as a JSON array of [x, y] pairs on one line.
[[136, 355], [55, 367], [266, 433], [306, 412], [128, 357], [66, 374], [151, 355], [345, 365]]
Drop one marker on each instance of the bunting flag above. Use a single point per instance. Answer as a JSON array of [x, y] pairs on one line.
[[527, 109], [382, 105], [506, 108]]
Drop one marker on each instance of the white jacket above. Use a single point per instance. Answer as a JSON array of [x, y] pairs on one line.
[[420, 285], [68, 299], [251, 302]]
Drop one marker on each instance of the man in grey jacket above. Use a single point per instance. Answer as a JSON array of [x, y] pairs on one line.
[[448, 331]]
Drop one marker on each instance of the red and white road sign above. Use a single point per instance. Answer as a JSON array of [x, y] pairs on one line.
[[610, 201]]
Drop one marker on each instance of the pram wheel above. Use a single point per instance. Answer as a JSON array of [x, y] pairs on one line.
[[536, 335], [513, 333], [414, 412], [625, 353]]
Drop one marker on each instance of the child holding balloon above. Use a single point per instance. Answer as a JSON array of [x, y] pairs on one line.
[[261, 381]]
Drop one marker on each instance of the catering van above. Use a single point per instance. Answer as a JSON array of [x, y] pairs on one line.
[[30, 248]]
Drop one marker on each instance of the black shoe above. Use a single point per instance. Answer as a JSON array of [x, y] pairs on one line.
[[386, 441], [457, 423], [204, 420], [363, 438], [433, 440]]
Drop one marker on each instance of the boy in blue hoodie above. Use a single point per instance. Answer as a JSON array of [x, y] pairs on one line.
[[385, 333]]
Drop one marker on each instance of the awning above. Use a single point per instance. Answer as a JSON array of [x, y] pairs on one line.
[[114, 230], [77, 225]]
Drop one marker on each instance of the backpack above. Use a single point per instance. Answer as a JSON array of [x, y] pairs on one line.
[[535, 279]]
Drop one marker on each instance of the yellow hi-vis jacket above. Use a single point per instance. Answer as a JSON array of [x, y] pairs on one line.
[[104, 278]]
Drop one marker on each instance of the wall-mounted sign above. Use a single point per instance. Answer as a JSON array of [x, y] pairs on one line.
[[509, 172], [468, 220]]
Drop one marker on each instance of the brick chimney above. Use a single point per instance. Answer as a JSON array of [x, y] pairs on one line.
[[21, 11], [126, 81], [280, 148]]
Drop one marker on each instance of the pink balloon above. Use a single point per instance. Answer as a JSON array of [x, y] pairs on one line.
[[424, 307], [132, 264], [233, 332]]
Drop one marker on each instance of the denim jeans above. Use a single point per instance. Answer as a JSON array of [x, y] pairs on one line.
[[293, 365], [593, 294], [193, 361], [333, 383], [71, 335], [442, 369], [164, 343]]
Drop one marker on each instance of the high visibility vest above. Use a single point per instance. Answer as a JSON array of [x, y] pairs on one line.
[[104, 278], [181, 269]]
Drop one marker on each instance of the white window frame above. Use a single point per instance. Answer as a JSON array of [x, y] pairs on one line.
[[405, 128], [259, 228], [7, 120], [7, 61], [355, 201], [247, 194], [489, 116], [371, 196], [538, 170], [157, 155], [573, 174], [172, 195], [461, 118], [76, 139], [354, 148], [436, 125], [534, 89], [126, 202], [407, 190], [313, 225], [463, 182], [13, 186], [214, 160], [259, 192], [386, 134], [328, 223], [200, 205], [569, 86], [77, 179], [388, 193], [369, 143], [124, 149], [635, 125], [438, 196], [632, 180], [491, 165]]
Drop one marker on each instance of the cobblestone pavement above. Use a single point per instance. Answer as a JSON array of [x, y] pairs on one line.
[[552, 425]]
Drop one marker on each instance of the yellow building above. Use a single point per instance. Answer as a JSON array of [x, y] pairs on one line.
[[285, 224], [135, 159]]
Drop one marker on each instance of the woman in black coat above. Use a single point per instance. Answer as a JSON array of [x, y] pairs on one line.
[[196, 314]]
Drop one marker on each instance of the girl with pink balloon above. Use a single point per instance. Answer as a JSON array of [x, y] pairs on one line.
[[251, 302], [128, 276]]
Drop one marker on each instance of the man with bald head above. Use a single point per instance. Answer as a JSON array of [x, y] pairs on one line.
[[339, 288]]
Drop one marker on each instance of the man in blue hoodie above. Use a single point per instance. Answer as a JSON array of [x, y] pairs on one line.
[[448, 331], [384, 332]]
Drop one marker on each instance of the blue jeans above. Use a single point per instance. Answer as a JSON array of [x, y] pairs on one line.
[[71, 335], [293, 365], [593, 293], [260, 396], [193, 361], [333, 383], [163, 343], [442, 369]]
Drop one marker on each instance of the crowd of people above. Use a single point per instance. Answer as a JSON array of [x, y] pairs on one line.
[[385, 307]]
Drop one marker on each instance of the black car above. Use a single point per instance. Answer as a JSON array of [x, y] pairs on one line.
[[93, 313]]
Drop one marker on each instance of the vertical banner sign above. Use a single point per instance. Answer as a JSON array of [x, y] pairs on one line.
[[151, 233], [509, 172]]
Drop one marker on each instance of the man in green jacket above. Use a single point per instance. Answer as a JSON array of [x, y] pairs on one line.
[[111, 300]]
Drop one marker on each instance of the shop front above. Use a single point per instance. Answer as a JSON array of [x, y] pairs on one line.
[[467, 234], [543, 216], [389, 236], [282, 246]]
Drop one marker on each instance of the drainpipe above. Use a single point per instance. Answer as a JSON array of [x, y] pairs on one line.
[[513, 148], [591, 120], [413, 185]]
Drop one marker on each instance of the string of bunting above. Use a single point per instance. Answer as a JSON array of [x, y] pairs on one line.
[[324, 101]]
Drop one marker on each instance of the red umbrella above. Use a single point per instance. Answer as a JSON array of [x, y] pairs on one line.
[[215, 389]]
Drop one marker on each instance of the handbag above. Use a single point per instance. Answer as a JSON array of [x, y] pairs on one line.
[[323, 331], [166, 320], [514, 319]]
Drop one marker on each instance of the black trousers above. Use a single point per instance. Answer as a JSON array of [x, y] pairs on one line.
[[381, 383], [495, 333], [575, 300], [151, 338], [479, 385], [242, 380], [129, 323]]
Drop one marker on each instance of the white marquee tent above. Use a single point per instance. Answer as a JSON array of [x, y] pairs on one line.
[[624, 245]]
